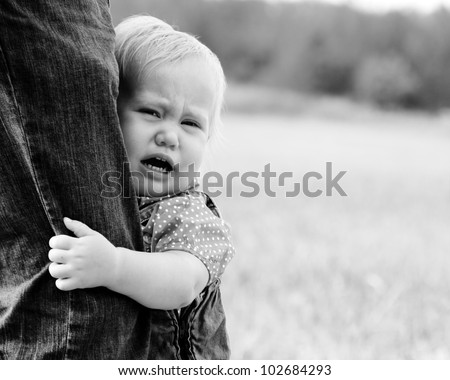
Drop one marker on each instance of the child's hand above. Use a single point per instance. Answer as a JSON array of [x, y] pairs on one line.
[[86, 261]]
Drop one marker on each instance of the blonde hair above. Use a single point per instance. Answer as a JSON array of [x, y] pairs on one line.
[[144, 42]]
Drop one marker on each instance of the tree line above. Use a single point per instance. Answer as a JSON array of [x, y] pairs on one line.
[[394, 59]]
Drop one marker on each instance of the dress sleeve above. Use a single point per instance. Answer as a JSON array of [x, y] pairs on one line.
[[186, 224]]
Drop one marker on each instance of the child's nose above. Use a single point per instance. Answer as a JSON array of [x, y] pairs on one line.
[[167, 138]]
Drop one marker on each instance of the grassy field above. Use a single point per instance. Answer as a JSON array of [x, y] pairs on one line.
[[365, 276]]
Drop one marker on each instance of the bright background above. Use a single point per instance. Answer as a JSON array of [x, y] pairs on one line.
[[389, 5], [359, 277]]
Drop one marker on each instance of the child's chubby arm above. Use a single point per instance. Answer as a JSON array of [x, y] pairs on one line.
[[162, 280]]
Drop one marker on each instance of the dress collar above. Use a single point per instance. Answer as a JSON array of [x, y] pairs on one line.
[[145, 201]]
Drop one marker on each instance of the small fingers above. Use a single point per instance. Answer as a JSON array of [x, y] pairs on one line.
[[59, 270], [78, 228], [58, 256], [62, 242], [65, 284]]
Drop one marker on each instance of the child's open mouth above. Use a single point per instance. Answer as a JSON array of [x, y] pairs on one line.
[[158, 164]]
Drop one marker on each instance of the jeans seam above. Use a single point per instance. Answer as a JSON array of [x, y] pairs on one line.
[[27, 143], [69, 322]]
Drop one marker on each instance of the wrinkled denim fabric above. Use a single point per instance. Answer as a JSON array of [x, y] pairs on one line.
[[58, 134], [196, 332]]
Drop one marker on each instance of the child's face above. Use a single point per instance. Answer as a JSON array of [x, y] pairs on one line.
[[165, 120]]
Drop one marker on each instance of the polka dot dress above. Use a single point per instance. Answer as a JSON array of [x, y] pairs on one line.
[[187, 222]]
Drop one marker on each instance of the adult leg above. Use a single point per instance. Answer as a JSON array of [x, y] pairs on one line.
[[59, 135]]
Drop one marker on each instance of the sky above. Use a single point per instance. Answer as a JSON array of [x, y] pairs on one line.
[[387, 5]]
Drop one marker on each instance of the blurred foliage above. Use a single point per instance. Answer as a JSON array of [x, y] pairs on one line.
[[394, 59], [387, 81]]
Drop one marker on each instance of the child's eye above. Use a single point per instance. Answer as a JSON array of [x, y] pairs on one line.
[[191, 123], [151, 112]]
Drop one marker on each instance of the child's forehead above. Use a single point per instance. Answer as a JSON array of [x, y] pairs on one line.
[[174, 72], [193, 82]]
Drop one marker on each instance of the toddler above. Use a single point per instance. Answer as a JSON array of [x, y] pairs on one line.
[[170, 98]]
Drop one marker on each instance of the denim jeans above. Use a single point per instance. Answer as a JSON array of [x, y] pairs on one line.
[[58, 134]]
